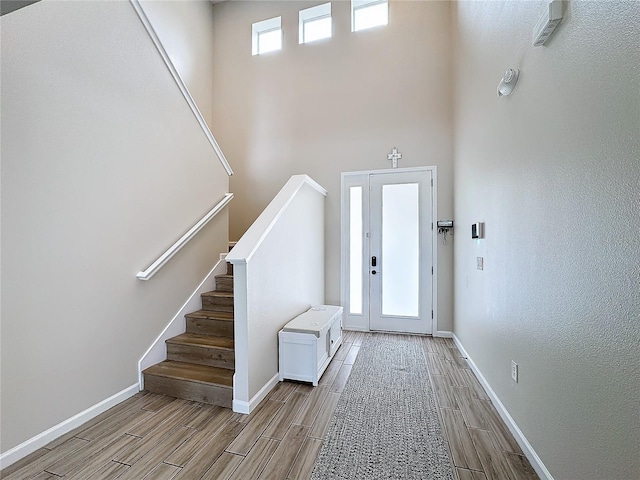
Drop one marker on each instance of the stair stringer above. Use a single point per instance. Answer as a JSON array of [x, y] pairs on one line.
[[157, 352]]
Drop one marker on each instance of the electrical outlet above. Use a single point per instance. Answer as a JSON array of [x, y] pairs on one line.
[[514, 371], [480, 263]]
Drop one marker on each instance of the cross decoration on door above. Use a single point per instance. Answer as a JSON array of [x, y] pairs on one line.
[[394, 156]]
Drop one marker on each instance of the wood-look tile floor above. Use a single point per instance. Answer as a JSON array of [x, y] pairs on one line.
[[156, 437]]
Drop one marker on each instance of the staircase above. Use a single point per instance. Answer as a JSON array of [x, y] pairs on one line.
[[200, 363]]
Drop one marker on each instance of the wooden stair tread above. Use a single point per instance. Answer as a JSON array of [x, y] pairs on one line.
[[202, 341], [212, 314], [218, 293], [192, 372], [200, 362]]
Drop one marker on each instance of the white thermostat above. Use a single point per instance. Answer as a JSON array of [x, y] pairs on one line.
[[477, 230]]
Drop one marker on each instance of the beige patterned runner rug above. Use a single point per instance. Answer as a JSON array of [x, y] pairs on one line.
[[386, 425]]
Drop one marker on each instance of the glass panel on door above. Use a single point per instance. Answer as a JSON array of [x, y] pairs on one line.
[[400, 250], [355, 250]]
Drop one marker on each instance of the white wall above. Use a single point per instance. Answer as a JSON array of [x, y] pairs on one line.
[[185, 29], [333, 106], [554, 172], [103, 167], [278, 274]]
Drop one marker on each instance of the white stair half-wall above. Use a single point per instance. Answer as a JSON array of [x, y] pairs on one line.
[[278, 267]]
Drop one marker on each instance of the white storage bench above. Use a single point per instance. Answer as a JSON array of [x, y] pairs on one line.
[[309, 342]]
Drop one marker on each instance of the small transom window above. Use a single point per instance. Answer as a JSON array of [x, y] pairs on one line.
[[368, 14], [315, 23], [266, 36]]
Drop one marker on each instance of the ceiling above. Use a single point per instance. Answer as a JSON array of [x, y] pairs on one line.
[[8, 6]]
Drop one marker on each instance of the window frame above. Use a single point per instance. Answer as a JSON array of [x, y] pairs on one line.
[[312, 14], [260, 28], [363, 4]]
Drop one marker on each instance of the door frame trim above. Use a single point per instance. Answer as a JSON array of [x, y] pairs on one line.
[[344, 247]]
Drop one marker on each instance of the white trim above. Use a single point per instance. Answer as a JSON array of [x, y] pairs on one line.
[[241, 336], [434, 250], [356, 321], [344, 289], [240, 406], [356, 4], [390, 170], [18, 452], [312, 14], [157, 352], [353, 329], [443, 334], [181, 85], [265, 26], [348, 325], [363, 4], [247, 246], [527, 449], [184, 239]]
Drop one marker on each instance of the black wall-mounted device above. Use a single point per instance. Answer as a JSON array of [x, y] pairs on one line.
[[477, 230]]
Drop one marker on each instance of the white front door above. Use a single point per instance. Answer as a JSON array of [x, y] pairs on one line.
[[388, 250]]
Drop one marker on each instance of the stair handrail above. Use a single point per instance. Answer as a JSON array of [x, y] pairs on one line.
[[183, 240], [181, 85]]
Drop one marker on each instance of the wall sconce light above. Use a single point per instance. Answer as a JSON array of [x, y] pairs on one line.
[[508, 82]]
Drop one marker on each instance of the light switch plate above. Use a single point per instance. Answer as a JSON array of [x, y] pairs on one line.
[[480, 261]]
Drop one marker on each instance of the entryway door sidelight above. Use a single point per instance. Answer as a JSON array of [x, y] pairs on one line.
[[387, 250]]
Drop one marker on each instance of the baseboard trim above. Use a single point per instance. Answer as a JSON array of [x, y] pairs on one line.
[[241, 406], [443, 334], [20, 451], [527, 449]]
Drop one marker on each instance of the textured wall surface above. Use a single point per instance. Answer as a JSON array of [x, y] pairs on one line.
[[333, 106], [554, 172], [103, 168]]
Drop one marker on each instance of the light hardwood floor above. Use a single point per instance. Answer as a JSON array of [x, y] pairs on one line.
[[156, 437]]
